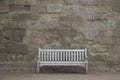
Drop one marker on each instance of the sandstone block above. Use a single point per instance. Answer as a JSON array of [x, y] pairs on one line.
[[50, 17], [11, 24], [18, 33], [16, 49], [24, 16], [2, 57], [65, 23], [31, 2], [93, 33], [7, 34], [116, 32], [98, 48], [5, 16], [96, 17], [56, 1], [117, 40], [77, 24], [68, 33], [36, 8], [116, 49], [99, 57], [80, 39], [68, 9], [93, 2], [4, 8], [70, 2], [109, 33], [1, 26], [20, 2], [54, 8], [40, 40], [22, 25], [14, 7], [105, 40], [2, 2], [46, 2]]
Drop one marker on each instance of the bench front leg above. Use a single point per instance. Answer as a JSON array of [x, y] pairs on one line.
[[86, 67], [38, 67]]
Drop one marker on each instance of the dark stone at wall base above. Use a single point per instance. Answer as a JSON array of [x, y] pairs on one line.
[[31, 67], [18, 67]]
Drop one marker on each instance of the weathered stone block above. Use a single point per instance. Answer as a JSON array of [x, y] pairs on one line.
[[93, 2], [68, 33], [65, 23], [98, 48], [2, 2], [117, 40], [54, 8], [49, 17], [115, 5], [17, 39], [4, 16], [7, 34], [31, 2], [24, 16], [80, 39], [77, 46], [97, 17], [40, 40], [11, 24], [56, 45], [68, 9], [3, 57], [109, 33], [93, 33], [116, 32], [99, 58], [20, 2], [56, 1], [45, 2], [105, 40], [22, 24], [39, 25], [111, 24], [1, 32], [14, 7], [116, 50], [16, 49], [4, 8], [70, 2], [1, 26], [18, 33], [77, 24], [37, 8]]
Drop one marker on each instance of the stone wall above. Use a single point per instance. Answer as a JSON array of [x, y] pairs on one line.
[[26, 25]]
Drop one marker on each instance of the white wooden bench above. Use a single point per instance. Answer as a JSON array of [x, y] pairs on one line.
[[62, 57]]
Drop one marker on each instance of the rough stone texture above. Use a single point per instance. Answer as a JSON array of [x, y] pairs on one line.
[[26, 25]]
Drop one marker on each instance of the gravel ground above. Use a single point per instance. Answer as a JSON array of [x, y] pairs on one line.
[[58, 76]]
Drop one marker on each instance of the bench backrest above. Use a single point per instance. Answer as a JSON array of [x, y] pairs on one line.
[[62, 55]]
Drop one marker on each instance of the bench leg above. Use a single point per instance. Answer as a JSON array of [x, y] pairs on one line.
[[38, 67], [86, 67]]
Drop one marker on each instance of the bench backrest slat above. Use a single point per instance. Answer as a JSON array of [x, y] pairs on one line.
[[62, 55]]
